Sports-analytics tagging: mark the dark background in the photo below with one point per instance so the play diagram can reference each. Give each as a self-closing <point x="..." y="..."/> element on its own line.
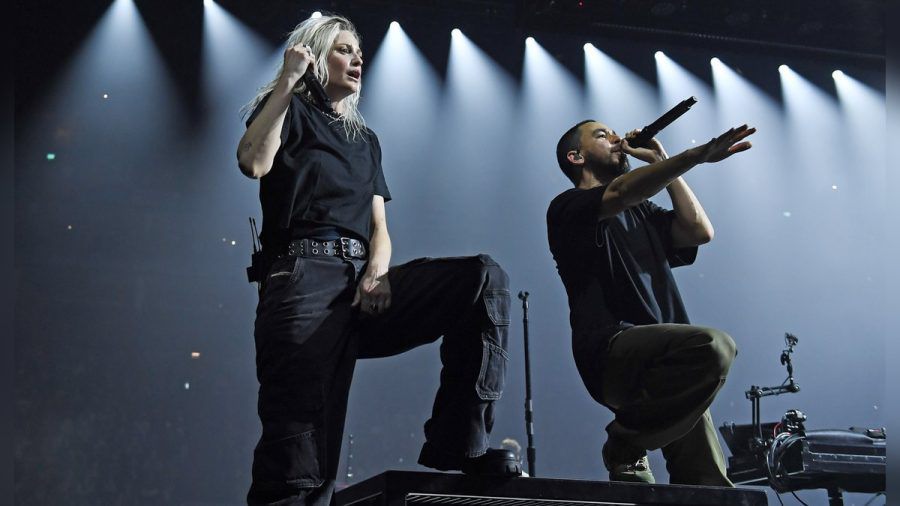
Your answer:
<point x="124" y="263"/>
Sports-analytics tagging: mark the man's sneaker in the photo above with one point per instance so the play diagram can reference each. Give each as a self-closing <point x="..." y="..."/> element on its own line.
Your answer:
<point x="636" y="471"/>
<point x="494" y="462"/>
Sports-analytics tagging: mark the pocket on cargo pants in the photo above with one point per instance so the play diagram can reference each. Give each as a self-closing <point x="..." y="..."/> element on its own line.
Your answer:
<point x="291" y="461"/>
<point x="494" y="358"/>
<point x="288" y="457"/>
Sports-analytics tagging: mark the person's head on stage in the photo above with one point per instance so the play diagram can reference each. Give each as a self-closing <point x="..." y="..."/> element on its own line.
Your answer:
<point x="591" y="152"/>
<point x="512" y="445"/>
<point x="336" y="45"/>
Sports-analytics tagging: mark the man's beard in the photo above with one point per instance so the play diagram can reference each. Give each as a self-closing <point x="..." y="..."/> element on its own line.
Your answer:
<point x="603" y="171"/>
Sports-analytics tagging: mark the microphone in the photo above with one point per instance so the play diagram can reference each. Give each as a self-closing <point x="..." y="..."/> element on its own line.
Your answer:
<point x="317" y="90"/>
<point x="642" y="139"/>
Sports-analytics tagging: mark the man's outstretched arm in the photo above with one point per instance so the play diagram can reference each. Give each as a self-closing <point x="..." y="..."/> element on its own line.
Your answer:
<point x="691" y="226"/>
<point x="632" y="188"/>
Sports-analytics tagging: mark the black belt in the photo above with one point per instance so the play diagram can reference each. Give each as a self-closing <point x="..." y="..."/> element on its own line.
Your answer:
<point x="344" y="247"/>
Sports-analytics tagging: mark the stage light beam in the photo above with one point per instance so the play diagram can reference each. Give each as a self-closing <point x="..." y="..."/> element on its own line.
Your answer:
<point x="413" y="100"/>
<point x="675" y="84"/>
<point x="552" y="101"/>
<point x="614" y="94"/>
<point x="863" y="110"/>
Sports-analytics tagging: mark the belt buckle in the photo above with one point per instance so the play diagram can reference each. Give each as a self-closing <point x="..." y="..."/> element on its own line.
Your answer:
<point x="346" y="250"/>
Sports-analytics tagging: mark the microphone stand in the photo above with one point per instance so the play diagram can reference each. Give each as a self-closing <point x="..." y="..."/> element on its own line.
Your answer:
<point x="350" y="459"/>
<point x="529" y="411"/>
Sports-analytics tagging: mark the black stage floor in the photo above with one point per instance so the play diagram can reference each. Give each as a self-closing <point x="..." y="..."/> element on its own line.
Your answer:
<point x="396" y="488"/>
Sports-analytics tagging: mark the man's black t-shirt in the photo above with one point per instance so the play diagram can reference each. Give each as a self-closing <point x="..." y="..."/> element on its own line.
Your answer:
<point x="617" y="271"/>
<point x="320" y="180"/>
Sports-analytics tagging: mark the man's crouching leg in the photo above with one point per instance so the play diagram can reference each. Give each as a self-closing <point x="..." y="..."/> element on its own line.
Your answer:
<point x="660" y="381"/>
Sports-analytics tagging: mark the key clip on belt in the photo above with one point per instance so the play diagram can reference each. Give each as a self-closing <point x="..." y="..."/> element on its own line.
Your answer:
<point x="346" y="248"/>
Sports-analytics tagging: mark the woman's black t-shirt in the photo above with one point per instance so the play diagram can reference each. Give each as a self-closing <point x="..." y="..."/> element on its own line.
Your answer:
<point x="319" y="179"/>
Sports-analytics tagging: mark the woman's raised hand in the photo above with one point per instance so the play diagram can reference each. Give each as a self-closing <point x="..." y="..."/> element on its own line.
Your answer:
<point x="297" y="60"/>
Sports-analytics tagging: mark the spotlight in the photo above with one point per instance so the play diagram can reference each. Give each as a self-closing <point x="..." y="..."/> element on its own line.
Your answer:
<point x="315" y="15"/>
<point x="837" y="74"/>
<point x="207" y="3"/>
<point x="395" y="25"/>
<point x="529" y="40"/>
<point x="783" y="68"/>
<point x="659" y="54"/>
<point x="588" y="46"/>
<point x="715" y="61"/>
<point x="456" y="32"/>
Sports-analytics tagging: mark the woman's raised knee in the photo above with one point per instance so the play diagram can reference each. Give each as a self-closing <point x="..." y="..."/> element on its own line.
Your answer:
<point x="491" y="271"/>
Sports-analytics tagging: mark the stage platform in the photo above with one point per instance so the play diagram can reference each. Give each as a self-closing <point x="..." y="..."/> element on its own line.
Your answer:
<point x="398" y="488"/>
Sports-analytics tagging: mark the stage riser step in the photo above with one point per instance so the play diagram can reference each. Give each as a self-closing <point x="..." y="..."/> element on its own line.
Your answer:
<point x="401" y="488"/>
<point x="497" y="501"/>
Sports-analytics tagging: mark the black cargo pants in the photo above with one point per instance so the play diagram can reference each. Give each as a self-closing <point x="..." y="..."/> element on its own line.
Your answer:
<point x="308" y="338"/>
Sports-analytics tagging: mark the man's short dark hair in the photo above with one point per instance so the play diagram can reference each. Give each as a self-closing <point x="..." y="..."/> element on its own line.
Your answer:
<point x="570" y="141"/>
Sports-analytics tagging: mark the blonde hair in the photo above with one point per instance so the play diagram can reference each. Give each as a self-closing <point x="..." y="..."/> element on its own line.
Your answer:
<point x="319" y="34"/>
<point x="512" y="444"/>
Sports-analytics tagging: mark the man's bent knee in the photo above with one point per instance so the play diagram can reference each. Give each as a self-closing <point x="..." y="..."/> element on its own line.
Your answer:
<point x="723" y="350"/>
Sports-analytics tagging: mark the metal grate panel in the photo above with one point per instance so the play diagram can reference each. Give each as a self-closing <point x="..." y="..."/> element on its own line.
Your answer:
<point x="499" y="501"/>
